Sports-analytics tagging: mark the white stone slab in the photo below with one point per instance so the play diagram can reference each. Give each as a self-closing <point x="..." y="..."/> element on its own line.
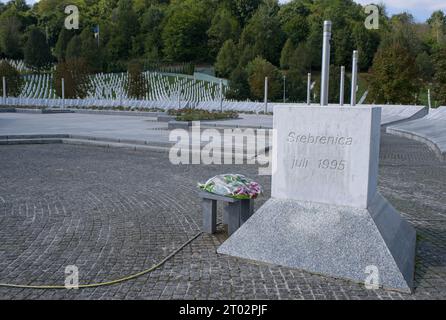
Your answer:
<point x="327" y="154"/>
<point x="326" y="215"/>
<point x="342" y="242"/>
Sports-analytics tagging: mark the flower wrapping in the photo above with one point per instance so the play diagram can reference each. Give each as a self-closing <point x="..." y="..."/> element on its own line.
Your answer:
<point x="232" y="185"/>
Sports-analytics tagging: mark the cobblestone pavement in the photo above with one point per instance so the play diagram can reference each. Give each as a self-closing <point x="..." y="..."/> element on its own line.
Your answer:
<point x="113" y="213"/>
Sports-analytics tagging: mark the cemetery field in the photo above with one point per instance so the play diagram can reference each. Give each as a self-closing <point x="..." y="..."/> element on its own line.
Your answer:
<point x="160" y="86"/>
<point x="114" y="212"/>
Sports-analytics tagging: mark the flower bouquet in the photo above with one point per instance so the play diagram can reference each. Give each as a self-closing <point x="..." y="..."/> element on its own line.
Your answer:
<point x="236" y="186"/>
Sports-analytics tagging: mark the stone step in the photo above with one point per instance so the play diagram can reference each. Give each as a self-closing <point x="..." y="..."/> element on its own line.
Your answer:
<point x="33" y="136"/>
<point x="246" y="152"/>
<point x="29" y="141"/>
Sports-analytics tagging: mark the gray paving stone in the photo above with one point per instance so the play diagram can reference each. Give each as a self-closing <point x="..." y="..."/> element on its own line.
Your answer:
<point x="112" y="212"/>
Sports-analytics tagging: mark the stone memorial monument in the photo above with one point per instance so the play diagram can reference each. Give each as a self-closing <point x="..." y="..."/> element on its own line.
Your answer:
<point x="325" y="215"/>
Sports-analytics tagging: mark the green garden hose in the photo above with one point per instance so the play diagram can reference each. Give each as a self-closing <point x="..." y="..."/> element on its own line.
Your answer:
<point x="108" y="283"/>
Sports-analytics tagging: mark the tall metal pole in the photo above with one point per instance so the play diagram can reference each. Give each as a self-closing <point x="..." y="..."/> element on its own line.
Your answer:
<point x="309" y="89"/>
<point x="63" y="93"/>
<point x="221" y="95"/>
<point x="354" y="78"/>
<point x="179" y="97"/>
<point x="284" y="89"/>
<point x="341" y="93"/>
<point x="325" y="63"/>
<point x="266" y="95"/>
<point x="4" y="90"/>
<point x="429" y="101"/>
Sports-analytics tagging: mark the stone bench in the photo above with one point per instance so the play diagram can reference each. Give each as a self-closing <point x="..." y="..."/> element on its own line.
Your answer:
<point x="236" y="213"/>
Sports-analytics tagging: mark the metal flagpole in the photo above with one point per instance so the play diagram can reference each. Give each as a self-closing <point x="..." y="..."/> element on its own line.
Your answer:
<point x="354" y="78"/>
<point x="284" y="88"/>
<point x="179" y="97"/>
<point x="309" y="89"/>
<point x="221" y="95"/>
<point x="325" y="63"/>
<point x="266" y="95"/>
<point x="429" y="101"/>
<point x="63" y="93"/>
<point x="341" y="94"/>
<point x="4" y="90"/>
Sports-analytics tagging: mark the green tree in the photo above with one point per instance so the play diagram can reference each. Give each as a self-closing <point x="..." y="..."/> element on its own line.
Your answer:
<point x="227" y="59"/>
<point x="184" y="34"/>
<point x="366" y="42"/>
<point x="288" y="11"/>
<point x="257" y="70"/>
<point x="300" y="61"/>
<point x="136" y="85"/>
<point x="297" y="29"/>
<point x="403" y="30"/>
<point x="247" y="54"/>
<point x="238" y="85"/>
<point x="244" y="9"/>
<point x="296" y="59"/>
<point x="439" y="81"/>
<point x="14" y="81"/>
<point x="343" y="46"/>
<point x="37" y="52"/>
<point x="152" y="21"/>
<point x="50" y="15"/>
<point x="76" y="75"/>
<point x="62" y="43"/>
<point x="224" y="27"/>
<point x="437" y="23"/>
<point x="287" y="54"/>
<point x="296" y="78"/>
<point x="394" y="76"/>
<point x="314" y="39"/>
<point x="124" y="32"/>
<point x="21" y="5"/>
<point x="74" y="48"/>
<point x="90" y="50"/>
<point x="296" y="86"/>
<point x="293" y="18"/>
<point x="425" y="66"/>
<point x="263" y="34"/>
<point x="10" y="37"/>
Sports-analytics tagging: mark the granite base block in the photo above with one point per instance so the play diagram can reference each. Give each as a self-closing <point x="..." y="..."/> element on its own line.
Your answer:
<point x="337" y="241"/>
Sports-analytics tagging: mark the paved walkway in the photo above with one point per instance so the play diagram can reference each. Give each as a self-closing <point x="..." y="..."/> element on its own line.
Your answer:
<point x="113" y="213"/>
<point x="136" y="127"/>
<point x="430" y="130"/>
<point x="100" y="126"/>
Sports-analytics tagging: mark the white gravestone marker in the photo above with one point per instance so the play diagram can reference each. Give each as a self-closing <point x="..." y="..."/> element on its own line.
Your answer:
<point x="325" y="214"/>
<point x="333" y="162"/>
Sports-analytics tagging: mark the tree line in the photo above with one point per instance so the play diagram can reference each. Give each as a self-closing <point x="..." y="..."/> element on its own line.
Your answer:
<point x="245" y="40"/>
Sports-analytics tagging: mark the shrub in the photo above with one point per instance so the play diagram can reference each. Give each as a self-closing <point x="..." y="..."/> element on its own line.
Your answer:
<point x="136" y="85"/>
<point x="14" y="81"/>
<point x="257" y="70"/>
<point x="394" y="77"/>
<point x="238" y="85"/>
<point x="188" y="114"/>
<point x="76" y="75"/>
